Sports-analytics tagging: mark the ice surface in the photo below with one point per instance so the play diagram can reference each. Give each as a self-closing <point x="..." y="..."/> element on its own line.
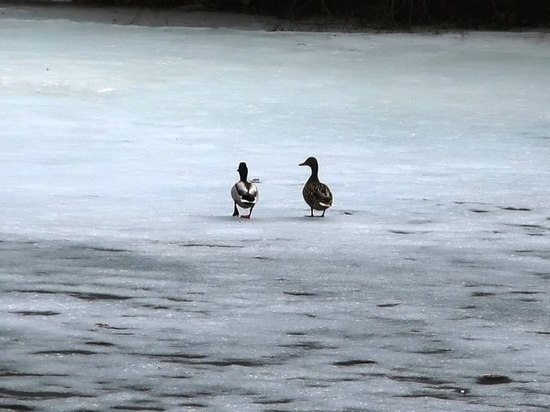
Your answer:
<point x="127" y="285"/>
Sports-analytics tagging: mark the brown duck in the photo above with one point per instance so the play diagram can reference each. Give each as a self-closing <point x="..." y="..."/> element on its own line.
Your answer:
<point x="316" y="194"/>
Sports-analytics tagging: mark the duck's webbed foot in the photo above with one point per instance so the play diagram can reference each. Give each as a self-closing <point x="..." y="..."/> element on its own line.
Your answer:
<point x="249" y="214"/>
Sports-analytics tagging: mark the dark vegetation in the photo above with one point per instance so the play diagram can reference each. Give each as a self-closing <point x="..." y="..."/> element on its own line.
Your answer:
<point x="473" y="14"/>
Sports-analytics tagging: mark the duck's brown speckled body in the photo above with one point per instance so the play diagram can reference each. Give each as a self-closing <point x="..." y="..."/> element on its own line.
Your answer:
<point x="316" y="194"/>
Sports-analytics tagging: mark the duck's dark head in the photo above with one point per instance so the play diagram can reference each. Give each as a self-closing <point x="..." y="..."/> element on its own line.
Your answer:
<point x="311" y="162"/>
<point x="243" y="171"/>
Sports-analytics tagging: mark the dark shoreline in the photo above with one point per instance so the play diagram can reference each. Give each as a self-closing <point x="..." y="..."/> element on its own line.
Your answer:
<point x="514" y="19"/>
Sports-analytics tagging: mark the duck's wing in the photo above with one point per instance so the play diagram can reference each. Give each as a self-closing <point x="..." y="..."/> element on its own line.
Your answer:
<point x="244" y="192"/>
<point x="252" y="194"/>
<point x="324" y="195"/>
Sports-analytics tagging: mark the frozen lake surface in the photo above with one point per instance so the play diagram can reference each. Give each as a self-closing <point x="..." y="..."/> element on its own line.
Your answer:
<point x="126" y="284"/>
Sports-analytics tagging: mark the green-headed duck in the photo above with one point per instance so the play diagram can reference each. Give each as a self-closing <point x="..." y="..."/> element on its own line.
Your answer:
<point x="244" y="193"/>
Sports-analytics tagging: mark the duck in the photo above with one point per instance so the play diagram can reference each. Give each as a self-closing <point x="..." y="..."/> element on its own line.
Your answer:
<point x="316" y="194"/>
<point x="244" y="193"/>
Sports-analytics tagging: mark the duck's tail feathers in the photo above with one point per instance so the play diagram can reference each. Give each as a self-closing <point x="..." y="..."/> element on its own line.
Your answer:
<point x="247" y="197"/>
